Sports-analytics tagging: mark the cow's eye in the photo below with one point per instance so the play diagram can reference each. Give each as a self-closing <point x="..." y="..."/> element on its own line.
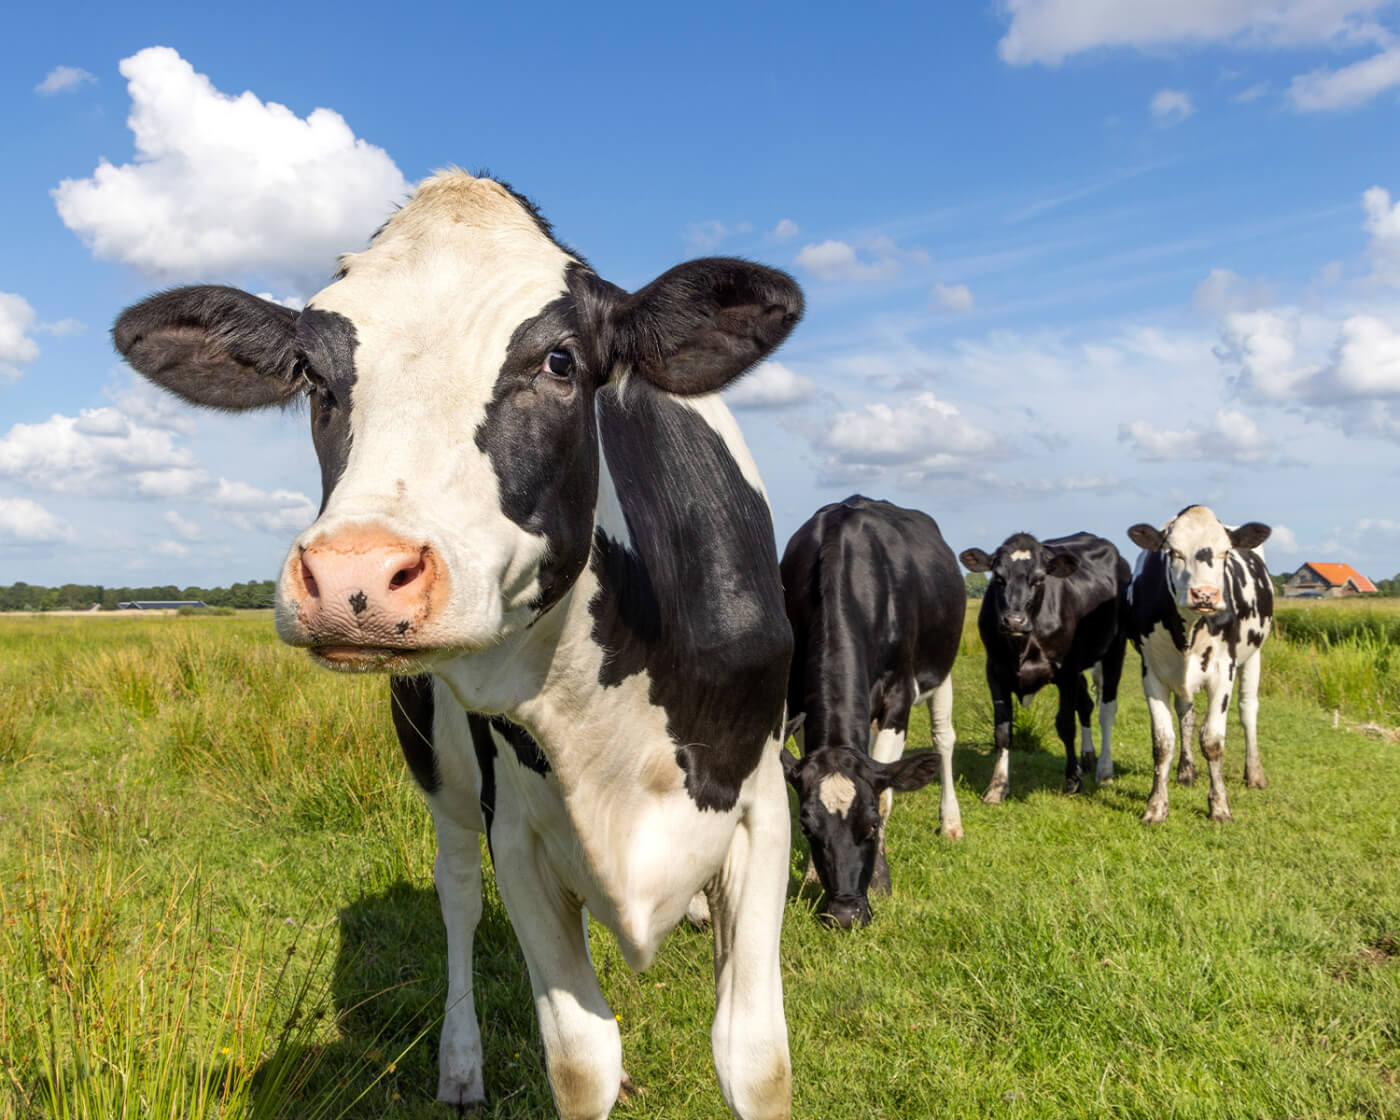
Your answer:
<point x="313" y="381"/>
<point x="560" y="363"/>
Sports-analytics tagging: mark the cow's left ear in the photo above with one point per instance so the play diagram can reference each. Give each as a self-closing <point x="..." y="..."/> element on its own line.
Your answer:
<point x="697" y="327"/>
<point x="1250" y="535"/>
<point x="791" y="764"/>
<point x="914" y="771"/>
<point x="1061" y="564"/>
<point x="1146" y="536"/>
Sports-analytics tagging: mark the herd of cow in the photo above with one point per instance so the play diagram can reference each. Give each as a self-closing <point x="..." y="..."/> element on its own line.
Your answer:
<point x="540" y="519"/>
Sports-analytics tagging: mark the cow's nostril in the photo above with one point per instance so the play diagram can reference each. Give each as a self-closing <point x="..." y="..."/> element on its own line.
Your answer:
<point x="404" y="576"/>
<point x="308" y="581"/>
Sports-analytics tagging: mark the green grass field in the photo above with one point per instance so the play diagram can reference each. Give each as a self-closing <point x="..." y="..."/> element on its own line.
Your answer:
<point x="216" y="900"/>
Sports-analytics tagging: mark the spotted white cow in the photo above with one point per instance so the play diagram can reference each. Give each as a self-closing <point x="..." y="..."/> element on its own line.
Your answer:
<point x="1201" y="605"/>
<point x="530" y="493"/>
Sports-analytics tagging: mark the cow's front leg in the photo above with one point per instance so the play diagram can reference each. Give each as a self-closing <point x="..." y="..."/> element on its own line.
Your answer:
<point x="1249" y="722"/>
<point x="582" y="1046"/>
<point x="940" y="719"/>
<point x="1069" y="689"/>
<point x="887" y="745"/>
<point x="1218" y="690"/>
<point x="1084" y="708"/>
<point x="1162" y="747"/>
<point x="749" y="1035"/>
<point x="1000" y="785"/>
<point x="1186" y="717"/>
<point x="457" y="876"/>
<point x="1108" y="673"/>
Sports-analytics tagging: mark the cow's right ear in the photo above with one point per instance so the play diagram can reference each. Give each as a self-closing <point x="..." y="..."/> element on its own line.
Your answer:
<point x="1145" y="536"/>
<point x="791" y="727"/>
<point x="216" y="347"/>
<point x="791" y="764"/>
<point x="975" y="560"/>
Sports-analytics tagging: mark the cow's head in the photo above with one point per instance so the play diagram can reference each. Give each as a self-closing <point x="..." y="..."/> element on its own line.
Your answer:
<point x="838" y="794"/>
<point x="1019" y="570"/>
<point x="450" y="372"/>
<point x="1194" y="547"/>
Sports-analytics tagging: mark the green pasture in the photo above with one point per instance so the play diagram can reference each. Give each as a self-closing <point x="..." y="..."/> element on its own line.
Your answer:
<point x="216" y="900"/>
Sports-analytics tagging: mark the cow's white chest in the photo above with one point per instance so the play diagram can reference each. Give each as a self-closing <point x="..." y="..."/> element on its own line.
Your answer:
<point x="1205" y="662"/>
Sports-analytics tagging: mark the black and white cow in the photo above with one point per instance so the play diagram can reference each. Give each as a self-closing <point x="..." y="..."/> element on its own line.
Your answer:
<point x="531" y="492"/>
<point x="876" y="604"/>
<point x="1052" y="610"/>
<point x="1202" y="604"/>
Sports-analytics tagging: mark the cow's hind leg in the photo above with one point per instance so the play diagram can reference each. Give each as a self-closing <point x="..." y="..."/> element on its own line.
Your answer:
<point x="1000" y="785"/>
<point x="1084" y="708"/>
<point x="1108" y="674"/>
<point x="940" y="719"/>
<point x="457" y="876"/>
<point x="582" y="1045"/>
<point x="1186" y="717"/>
<point x="749" y="1035"/>
<point x="1249" y="721"/>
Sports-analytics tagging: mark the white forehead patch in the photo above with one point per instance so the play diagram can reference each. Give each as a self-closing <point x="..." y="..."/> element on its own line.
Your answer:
<point x="837" y="792"/>
<point x="1021" y="554"/>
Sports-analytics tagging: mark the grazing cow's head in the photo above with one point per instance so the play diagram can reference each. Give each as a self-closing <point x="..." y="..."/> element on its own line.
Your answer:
<point x="1194" y="547"/>
<point x="838" y="794"/>
<point x="1019" y="570"/>
<point x="450" y="371"/>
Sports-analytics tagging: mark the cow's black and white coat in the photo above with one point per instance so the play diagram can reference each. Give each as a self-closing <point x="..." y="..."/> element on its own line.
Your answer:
<point x="516" y="500"/>
<point x="876" y="604"/>
<point x="1054" y="609"/>
<point x="1202" y="604"/>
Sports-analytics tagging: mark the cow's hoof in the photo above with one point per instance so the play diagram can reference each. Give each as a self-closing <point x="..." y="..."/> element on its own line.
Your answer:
<point x="467" y="1099"/>
<point x="1220" y="813"/>
<point x="1155" y="814"/>
<point x="626" y="1090"/>
<point x="880" y="877"/>
<point x="1074" y="785"/>
<point x="697" y="913"/>
<point x="952" y="831"/>
<point x="995" y="795"/>
<point x="1186" y="776"/>
<point x="1088" y="762"/>
<point x="1103" y="776"/>
<point x="1256" y="781"/>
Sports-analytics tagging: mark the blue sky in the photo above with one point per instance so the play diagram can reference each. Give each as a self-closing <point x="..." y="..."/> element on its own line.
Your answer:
<point x="1070" y="264"/>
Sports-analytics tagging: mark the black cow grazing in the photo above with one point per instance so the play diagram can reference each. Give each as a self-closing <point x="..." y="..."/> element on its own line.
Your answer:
<point x="1202" y="604"/>
<point x="1052" y="610"/>
<point x="876" y="604"/>
<point x="531" y="492"/>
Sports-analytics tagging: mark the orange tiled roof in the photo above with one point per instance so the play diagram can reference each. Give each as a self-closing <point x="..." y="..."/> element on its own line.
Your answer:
<point x="1337" y="574"/>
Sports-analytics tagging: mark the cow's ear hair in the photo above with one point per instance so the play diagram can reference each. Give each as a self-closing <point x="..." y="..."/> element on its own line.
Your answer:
<point x="1146" y="536"/>
<point x="791" y="727"/>
<point x="1061" y="564"/>
<point x="1250" y="535"/>
<point x="697" y="327"/>
<point x="914" y="771"/>
<point x="975" y="560"/>
<point x="791" y="764"/>
<point x="216" y="347"/>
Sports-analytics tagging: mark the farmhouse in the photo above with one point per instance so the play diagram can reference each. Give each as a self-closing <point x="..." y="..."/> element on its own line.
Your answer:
<point x="1314" y="580"/>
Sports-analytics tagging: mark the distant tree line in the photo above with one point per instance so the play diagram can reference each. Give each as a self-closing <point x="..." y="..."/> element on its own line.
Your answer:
<point x="79" y="596"/>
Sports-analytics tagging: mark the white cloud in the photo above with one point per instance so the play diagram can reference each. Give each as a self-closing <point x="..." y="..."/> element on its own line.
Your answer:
<point x="1283" y="539"/>
<point x="1353" y="85"/>
<point x="955" y="297"/>
<point x="171" y="548"/>
<point x="874" y="260"/>
<point x="1171" y="106"/>
<point x="295" y="303"/>
<point x="16" y="347"/>
<point x="275" y="511"/>
<point x="63" y="78"/>
<point x="228" y="184"/>
<point x="1049" y="31"/>
<point x="1230" y="437"/>
<point x="184" y="529"/>
<point x="99" y="451"/>
<point x="785" y="230"/>
<point x="1264" y="345"/>
<point x="770" y="385"/>
<point x="1383" y="224"/>
<point x="1252" y="93"/>
<point x="1223" y="291"/>
<point x="710" y="235"/>
<point x="64" y="328"/>
<point x="925" y="437"/>
<point x="1366" y="360"/>
<point x="30" y="523"/>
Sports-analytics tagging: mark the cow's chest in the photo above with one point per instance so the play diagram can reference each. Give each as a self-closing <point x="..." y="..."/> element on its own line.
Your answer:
<point x="1205" y="663"/>
<point x="1034" y="670"/>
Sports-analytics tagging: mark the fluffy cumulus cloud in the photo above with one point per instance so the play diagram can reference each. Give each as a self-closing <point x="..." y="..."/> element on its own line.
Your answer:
<point x="706" y="236"/>
<point x="100" y="451"/>
<point x="1348" y="86"/>
<point x="770" y="385"/>
<point x="872" y="261"/>
<point x="924" y="437"/>
<point x="271" y="511"/>
<point x="228" y="184"/>
<point x="26" y="522"/>
<point x="16" y="345"/>
<point x="1383" y="224"/>
<point x="954" y="297"/>
<point x="1224" y="291"/>
<point x="1231" y="437"/>
<point x="63" y="79"/>
<point x="1171" y="106"/>
<point x="785" y="230"/>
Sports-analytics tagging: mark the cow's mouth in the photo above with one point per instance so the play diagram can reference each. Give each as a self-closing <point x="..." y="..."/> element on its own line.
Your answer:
<point x="368" y="659"/>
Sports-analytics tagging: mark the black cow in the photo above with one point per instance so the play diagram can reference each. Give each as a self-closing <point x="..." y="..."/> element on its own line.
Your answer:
<point x="1052" y="610"/>
<point x="876" y="604"/>
<point x="1202" y="604"/>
